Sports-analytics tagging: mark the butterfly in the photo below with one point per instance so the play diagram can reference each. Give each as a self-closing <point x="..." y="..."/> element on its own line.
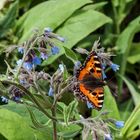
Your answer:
<point x="90" y="81"/>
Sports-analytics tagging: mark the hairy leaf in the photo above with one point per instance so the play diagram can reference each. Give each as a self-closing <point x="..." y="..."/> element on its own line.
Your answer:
<point x="78" y="27"/>
<point x="14" y="126"/>
<point x="47" y="14"/>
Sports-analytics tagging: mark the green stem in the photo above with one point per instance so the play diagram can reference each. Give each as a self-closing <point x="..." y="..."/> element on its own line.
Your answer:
<point x="31" y="96"/>
<point x="116" y="20"/>
<point x="60" y="94"/>
<point x="54" y="123"/>
<point x="29" y="46"/>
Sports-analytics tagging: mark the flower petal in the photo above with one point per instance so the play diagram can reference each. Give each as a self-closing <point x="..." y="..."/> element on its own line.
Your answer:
<point x="21" y="50"/>
<point x="4" y="100"/>
<point x="114" y="67"/>
<point x="107" y="137"/>
<point x="54" y="50"/>
<point x="61" y="67"/>
<point x="119" y="124"/>
<point x="27" y="65"/>
<point x="104" y="75"/>
<point x="60" y="38"/>
<point x="36" y="60"/>
<point x="51" y="91"/>
<point x="77" y="65"/>
<point x="19" y="62"/>
<point x="47" y="29"/>
<point x="89" y="105"/>
<point x="44" y="56"/>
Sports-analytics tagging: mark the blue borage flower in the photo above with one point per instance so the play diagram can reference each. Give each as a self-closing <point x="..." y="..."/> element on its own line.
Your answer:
<point x="119" y="124"/>
<point x="21" y="50"/>
<point x="61" y="67"/>
<point x="16" y="99"/>
<point x="16" y="94"/>
<point x="51" y="91"/>
<point x="47" y="29"/>
<point x="48" y="33"/>
<point x="54" y="50"/>
<point x="32" y="59"/>
<point x="89" y="105"/>
<point x="36" y="60"/>
<point x="23" y="81"/>
<point x="60" y="39"/>
<point x="77" y="64"/>
<point x="114" y="67"/>
<point x="28" y="65"/>
<point x="43" y="56"/>
<point x="19" y="62"/>
<point x="107" y="137"/>
<point x="4" y="100"/>
<point x="104" y="75"/>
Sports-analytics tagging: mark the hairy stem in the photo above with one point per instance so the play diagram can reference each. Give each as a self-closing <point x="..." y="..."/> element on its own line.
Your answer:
<point x="54" y="123"/>
<point x="31" y="96"/>
<point x="29" y="46"/>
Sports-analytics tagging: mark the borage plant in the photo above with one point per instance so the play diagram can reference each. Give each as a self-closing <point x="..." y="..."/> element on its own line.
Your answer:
<point x="28" y="84"/>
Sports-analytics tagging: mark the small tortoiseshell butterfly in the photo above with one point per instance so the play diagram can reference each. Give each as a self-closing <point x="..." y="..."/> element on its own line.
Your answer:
<point x="90" y="81"/>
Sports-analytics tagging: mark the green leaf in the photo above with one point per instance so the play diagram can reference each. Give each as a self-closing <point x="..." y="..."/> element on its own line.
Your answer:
<point x="124" y="45"/>
<point x="36" y="123"/>
<point x="8" y="20"/>
<point x="2" y="137"/>
<point x="43" y="134"/>
<point x="133" y="135"/>
<point x="134" y="59"/>
<point x="80" y="25"/>
<point x="127" y="107"/>
<point x="47" y="14"/>
<point x="96" y="6"/>
<point x="71" y="110"/>
<point x="134" y="90"/>
<point x="134" y="56"/>
<point x="109" y="105"/>
<point x="70" y="54"/>
<point x="68" y="111"/>
<point x="127" y="36"/>
<point x="14" y="127"/>
<point x="69" y="131"/>
<point x="132" y="122"/>
<point x="22" y="111"/>
<point x="45" y="102"/>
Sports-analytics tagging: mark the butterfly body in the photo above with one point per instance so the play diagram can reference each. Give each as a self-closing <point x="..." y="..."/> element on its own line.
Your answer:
<point x="90" y="81"/>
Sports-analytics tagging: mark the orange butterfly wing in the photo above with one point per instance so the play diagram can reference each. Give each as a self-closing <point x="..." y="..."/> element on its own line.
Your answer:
<point x="92" y="68"/>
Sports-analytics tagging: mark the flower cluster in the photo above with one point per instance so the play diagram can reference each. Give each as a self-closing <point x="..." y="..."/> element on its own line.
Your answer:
<point x="118" y="124"/>
<point x="16" y="94"/>
<point x="104" y="58"/>
<point x="33" y="53"/>
<point x="3" y="100"/>
<point x="41" y="48"/>
<point x="96" y="128"/>
<point x="99" y="125"/>
<point x="56" y="81"/>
